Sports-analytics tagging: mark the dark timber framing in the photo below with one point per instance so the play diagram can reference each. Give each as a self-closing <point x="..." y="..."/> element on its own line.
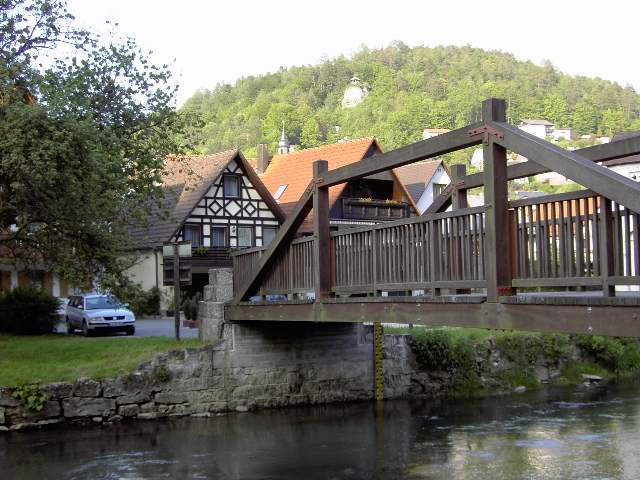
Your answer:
<point x="582" y="240"/>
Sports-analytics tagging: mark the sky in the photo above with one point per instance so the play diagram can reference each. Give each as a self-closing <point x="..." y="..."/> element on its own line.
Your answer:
<point x="210" y="42"/>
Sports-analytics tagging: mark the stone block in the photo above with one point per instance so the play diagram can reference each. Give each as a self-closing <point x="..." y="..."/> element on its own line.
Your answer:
<point x="129" y="410"/>
<point x="221" y="279"/>
<point x="6" y="398"/>
<point x="21" y="413"/>
<point x="2" y="417"/>
<point x="211" y="321"/>
<point x="171" y="397"/>
<point x="147" y="407"/>
<point x="59" y="390"/>
<point x="138" y="397"/>
<point x="88" y="407"/>
<point x="87" y="387"/>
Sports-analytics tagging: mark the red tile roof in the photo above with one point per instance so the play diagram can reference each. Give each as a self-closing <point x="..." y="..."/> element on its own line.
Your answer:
<point x="415" y="176"/>
<point x="295" y="169"/>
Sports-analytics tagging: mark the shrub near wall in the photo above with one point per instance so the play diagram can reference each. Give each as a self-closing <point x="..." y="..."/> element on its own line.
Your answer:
<point x="28" y="311"/>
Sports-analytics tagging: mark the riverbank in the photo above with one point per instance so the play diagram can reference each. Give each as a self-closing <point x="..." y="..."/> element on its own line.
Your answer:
<point x="287" y="364"/>
<point x="55" y="358"/>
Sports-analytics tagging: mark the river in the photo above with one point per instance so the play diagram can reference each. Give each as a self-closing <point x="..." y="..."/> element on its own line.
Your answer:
<point x="560" y="433"/>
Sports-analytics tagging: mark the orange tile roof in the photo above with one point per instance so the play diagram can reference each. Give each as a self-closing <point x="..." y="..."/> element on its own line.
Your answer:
<point x="295" y="169"/>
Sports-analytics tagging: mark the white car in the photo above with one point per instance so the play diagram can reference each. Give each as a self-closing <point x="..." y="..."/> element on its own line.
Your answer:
<point x="98" y="312"/>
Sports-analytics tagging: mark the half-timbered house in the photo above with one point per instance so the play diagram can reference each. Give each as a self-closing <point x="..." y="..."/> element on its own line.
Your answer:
<point x="218" y="203"/>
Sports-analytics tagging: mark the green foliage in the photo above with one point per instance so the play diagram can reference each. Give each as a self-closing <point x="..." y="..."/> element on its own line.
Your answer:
<point x="619" y="355"/>
<point x="524" y="348"/>
<point x="439" y="349"/>
<point x="572" y="374"/>
<point x="190" y="307"/>
<point x="82" y="139"/>
<point x="140" y="302"/>
<point x="31" y="396"/>
<point x="28" y="311"/>
<point x="409" y="89"/>
<point x="161" y="374"/>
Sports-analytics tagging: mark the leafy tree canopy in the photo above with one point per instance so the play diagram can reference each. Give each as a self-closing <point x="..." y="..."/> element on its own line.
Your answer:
<point x="84" y="125"/>
<point x="410" y="89"/>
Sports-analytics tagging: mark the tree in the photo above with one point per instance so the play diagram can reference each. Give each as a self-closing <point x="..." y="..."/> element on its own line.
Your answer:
<point x="82" y="141"/>
<point x="311" y="135"/>
<point x="613" y="121"/>
<point x="585" y="117"/>
<point x="557" y="110"/>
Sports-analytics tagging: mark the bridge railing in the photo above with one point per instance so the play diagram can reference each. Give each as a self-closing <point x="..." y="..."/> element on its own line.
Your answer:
<point x="564" y="241"/>
<point x="292" y="272"/>
<point x="444" y="250"/>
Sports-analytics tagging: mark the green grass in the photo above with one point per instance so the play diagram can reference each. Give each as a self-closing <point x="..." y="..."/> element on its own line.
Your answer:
<point x="53" y="358"/>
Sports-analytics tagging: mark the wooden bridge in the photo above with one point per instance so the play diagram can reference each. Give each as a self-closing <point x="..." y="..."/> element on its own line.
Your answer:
<point x="559" y="263"/>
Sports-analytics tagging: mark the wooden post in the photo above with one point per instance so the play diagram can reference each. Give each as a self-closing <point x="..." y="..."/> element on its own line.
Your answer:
<point x="321" y="254"/>
<point x="458" y="196"/>
<point x="498" y="268"/>
<point x="458" y="201"/>
<point x="176" y="289"/>
<point x="607" y="258"/>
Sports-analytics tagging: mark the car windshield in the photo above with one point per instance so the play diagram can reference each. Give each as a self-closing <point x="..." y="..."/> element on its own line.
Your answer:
<point x="98" y="303"/>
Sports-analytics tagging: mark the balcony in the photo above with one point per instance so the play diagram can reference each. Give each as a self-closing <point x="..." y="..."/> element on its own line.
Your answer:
<point x="207" y="257"/>
<point x="371" y="209"/>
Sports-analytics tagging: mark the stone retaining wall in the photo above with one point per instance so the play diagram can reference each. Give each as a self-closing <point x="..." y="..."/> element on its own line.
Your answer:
<point x="255" y="366"/>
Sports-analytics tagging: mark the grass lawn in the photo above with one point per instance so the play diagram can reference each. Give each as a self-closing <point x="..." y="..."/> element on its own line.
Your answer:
<point x="53" y="358"/>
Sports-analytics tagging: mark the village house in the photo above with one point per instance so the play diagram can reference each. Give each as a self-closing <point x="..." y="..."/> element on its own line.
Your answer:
<point x="376" y="198"/>
<point x="424" y="181"/>
<point x="218" y="203"/>
<point x="627" y="166"/>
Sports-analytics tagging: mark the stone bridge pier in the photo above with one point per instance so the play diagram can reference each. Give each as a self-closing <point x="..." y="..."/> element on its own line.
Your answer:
<point x="291" y="363"/>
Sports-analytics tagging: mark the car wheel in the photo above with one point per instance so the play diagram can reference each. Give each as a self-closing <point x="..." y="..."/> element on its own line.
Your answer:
<point x="70" y="329"/>
<point x="85" y="329"/>
<point x="130" y="330"/>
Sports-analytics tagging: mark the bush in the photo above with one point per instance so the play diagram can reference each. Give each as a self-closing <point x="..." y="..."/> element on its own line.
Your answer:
<point x="140" y="302"/>
<point x="620" y="355"/>
<point x="190" y="307"/>
<point x="28" y="311"/>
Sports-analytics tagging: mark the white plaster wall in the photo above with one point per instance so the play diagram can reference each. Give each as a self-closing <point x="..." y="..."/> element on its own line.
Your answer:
<point x="441" y="176"/>
<point x="539" y="131"/>
<point x="631" y="170"/>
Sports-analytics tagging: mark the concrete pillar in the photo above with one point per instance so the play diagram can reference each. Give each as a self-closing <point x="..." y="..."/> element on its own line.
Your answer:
<point x="211" y="309"/>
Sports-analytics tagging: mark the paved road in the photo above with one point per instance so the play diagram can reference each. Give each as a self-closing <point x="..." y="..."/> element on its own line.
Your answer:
<point x="154" y="328"/>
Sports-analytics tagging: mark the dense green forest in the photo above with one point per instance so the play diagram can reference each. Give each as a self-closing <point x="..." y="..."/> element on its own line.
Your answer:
<point x="410" y="89"/>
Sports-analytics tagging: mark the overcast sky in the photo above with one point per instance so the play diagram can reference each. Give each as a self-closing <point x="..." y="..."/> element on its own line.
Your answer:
<point x="220" y="41"/>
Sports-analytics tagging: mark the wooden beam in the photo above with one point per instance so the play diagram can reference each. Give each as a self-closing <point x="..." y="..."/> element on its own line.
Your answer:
<point x="432" y="147"/>
<point x="279" y="243"/>
<point x="585" y="172"/>
<point x="618" y="321"/>
<point x="497" y="262"/>
<point x="596" y="153"/>
<point x="322" y="245"/>
<point x="442" y="201"/>
<point x="458" y="196"/>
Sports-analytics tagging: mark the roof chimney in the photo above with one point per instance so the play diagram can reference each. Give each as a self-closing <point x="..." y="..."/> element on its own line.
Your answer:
<point x="263" y="157"/>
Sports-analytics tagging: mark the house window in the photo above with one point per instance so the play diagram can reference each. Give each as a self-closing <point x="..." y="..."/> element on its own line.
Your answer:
<point x="231" y="186"/>
<point x="219" y="237"/>
<point x="193" y="234"/>
<point x="268" y="234"/>
<point x="245" y="236"/>
<point x="438" y="188"/>
<point x="280" y="191"/>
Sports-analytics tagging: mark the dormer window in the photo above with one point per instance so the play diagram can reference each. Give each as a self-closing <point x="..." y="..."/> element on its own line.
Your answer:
<point x="280" y="191"/>
<point x="231" y="186"/>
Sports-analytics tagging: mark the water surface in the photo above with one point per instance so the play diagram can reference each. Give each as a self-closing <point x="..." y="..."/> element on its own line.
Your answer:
<point x="555" y="434"/>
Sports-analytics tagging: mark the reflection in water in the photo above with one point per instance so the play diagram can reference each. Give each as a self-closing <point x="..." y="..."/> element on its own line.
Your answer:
<point x="553" y="434"/>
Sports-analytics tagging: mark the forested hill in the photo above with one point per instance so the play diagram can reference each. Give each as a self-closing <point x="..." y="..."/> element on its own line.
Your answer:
<point x="410" y="89"/>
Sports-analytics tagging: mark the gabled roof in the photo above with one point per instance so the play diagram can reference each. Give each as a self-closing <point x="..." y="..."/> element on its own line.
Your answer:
<point x="295" y="170"/>
<point x="416" y="176"/>
<point x="624" y="160"/>
<point x="186" y="180"/>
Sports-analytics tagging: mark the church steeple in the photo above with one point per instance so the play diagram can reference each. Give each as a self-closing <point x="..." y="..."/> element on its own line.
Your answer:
<point x="283" y="144"/>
